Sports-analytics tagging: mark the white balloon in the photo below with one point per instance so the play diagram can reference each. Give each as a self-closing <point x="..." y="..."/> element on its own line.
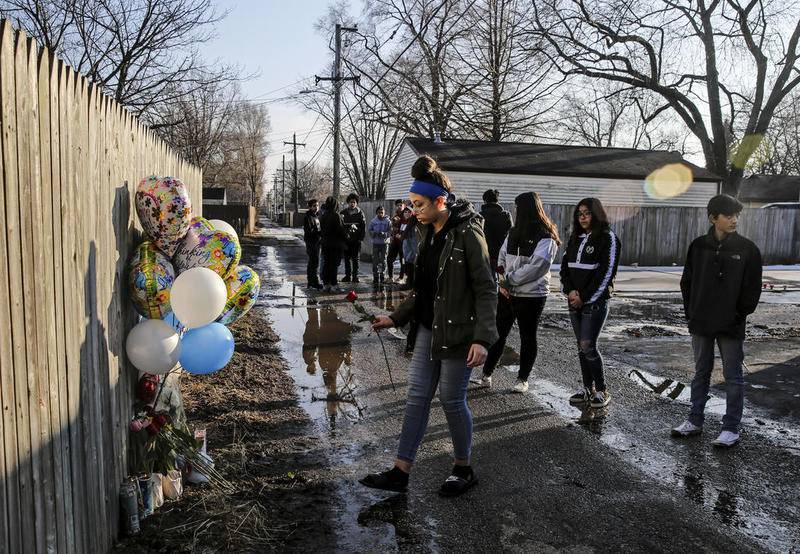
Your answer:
<point x="220" y="225"/>
<point x="153" y="346"/>
<point x="198" y="296"/>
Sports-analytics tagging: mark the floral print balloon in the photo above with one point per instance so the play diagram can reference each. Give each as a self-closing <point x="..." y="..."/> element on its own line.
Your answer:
<point x="164" y="210"/>
<point x="150" y="277"/>
<point x="204" y="247"/>
<point x="243" y="286"/>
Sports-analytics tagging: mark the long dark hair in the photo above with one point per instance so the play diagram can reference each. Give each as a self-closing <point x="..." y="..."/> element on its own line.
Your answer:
<point x="531" y="218"/>
<point x="599" y="217"/>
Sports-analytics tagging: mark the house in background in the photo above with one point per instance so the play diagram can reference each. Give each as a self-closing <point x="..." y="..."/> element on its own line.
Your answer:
<point x="561" y="174"/>
<point x="215" y="196"/>
<point x="758" y="190"/>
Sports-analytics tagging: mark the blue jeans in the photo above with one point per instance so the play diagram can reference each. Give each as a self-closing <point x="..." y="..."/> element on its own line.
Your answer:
<point x="732" y="352"/>
<point x="452" y="378"/>
<point x="587" y="323"/>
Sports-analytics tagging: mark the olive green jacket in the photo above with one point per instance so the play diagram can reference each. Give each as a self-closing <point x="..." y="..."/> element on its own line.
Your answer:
<point x="466" y="298"/>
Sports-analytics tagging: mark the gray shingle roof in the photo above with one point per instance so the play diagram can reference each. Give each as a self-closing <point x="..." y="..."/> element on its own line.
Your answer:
<point x="551" y="159"/>
<point x="770" y="188"/>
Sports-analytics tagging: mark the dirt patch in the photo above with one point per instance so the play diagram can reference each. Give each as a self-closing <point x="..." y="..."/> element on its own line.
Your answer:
<point x="650" y="331"/>
<point x="264" y="444"/>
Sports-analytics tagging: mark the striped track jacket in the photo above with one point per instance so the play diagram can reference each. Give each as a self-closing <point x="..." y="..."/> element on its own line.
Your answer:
<point x="590" y="264"/>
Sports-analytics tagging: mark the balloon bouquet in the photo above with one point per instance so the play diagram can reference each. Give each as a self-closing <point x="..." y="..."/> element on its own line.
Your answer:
<point x="186" y="284"/>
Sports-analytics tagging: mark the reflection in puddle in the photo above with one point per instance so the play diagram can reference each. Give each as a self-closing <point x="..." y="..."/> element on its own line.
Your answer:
<point x="392" y="511"/>
<point x="326" y="343"/>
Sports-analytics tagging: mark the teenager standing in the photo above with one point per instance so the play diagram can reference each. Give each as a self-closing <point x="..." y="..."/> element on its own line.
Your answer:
<point x="410" y="246"/>
<point x="721" y="286"/>
<point x="587" y="274"/>
<point x="355" y="225"/>
<point x="333" y="243"/>
<point x="380" y="229"/>
<point x="496" y="223"/>
<point x="396" y="244"/>
<point x="454" y="301"/>
<point x="523" y="264"/>
<point x="312" y="232"/>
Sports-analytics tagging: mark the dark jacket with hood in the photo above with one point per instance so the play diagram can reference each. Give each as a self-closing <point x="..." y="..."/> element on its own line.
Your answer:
<point x="311" y="228"/>
<point x="496" y="225"/>
<point x="355" y="224"/>
<point x="721" y="284"/>
<point x="590" y="264"/>
<point x="465" y="293"/>
<point x="333" y="235"/>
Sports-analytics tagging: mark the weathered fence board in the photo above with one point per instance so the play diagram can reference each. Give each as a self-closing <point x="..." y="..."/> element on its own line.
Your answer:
<point x="70" y="160"/>
<point x="661" y="235"/>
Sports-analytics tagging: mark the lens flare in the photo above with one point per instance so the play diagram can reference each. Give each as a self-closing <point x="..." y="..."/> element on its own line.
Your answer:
<point x="668" y="181"/>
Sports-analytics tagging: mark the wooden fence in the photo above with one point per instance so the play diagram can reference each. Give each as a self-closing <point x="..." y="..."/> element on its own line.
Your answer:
<point x="241" y="217"/>
<point x="661" y="235"/>
<point x="71" y="159"/>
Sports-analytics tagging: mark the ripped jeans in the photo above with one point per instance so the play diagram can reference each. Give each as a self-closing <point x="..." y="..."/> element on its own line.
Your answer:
<point x="587" y="323"/>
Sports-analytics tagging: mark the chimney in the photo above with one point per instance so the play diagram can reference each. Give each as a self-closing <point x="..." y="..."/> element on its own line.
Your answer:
<point x="437" y="138"/>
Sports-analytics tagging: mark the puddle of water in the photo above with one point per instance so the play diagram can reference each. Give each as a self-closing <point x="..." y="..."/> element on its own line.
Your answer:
<point x="781" y="434"/>
<point x="314" y="341"/>
<point x="667" y="470"/>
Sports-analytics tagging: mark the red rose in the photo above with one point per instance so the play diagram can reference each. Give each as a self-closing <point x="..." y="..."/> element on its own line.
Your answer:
<point x="161" y="419"/>
<point x="147" y="388"/>
<point x="154" y="428"/>
<point x="352" y="296"/>
<point x="501" y="270"/>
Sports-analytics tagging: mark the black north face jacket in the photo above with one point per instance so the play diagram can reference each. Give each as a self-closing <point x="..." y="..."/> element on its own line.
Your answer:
<point x="721" y="284"/>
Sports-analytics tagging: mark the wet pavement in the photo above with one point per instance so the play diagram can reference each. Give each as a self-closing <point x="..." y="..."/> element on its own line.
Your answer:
<point x="552" y="476"/>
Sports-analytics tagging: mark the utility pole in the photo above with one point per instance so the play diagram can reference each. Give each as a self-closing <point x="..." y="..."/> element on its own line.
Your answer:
<point x="295" y="144"/>
<point x="283" y="184"/>
<point x="337" y="101"/>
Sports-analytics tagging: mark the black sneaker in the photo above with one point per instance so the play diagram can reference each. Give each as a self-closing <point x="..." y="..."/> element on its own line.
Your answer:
<point x="346" y="279"/>
<point x="394" y="480"/>
<point x="355" y="279"/>
<point x="580" y="397"/>
<point x="461" y="479"/>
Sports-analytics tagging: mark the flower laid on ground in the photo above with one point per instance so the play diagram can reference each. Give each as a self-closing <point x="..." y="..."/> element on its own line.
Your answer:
<point x="369" y="318"/>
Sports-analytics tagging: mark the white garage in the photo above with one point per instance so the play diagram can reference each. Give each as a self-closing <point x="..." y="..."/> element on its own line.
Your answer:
<point x="561" y="174"/>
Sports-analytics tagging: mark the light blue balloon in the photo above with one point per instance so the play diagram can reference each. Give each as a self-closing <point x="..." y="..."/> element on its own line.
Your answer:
<point x="206" y="349"/>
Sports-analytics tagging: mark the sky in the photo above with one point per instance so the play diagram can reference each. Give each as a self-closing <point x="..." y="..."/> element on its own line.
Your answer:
<point x="276" y="39"/>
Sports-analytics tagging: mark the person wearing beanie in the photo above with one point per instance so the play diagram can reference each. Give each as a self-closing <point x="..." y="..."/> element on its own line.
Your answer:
<point x="523" y="266"/>
<point x="453" y="302"/>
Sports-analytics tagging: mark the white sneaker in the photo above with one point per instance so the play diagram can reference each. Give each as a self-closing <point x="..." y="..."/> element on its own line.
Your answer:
<point x="726" y="439"/>
<point x="521" y="386"/>
<point x="686" y="429"/>
<point x="482" y="381"/>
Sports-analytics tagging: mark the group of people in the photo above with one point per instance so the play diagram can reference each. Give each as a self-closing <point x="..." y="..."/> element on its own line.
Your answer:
<point x="331" y="234"/>
<point x="476" y="274"/>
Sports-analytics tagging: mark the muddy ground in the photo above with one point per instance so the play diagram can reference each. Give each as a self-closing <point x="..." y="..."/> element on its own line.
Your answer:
<point x="307" y="407"/>
<point x="264" y="445"/>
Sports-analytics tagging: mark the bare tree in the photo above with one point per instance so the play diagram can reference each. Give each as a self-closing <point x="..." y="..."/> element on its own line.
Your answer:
<point x="199" y="124"/>
<point x="133" y="49"/>
<point x="245" y="150"/>
<point x="779" y="152"/>
<point x="606" y="115"/>
<point x="408" y="59"/>
<point x="728" y="96"/>
<point x="516" y="90"/>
